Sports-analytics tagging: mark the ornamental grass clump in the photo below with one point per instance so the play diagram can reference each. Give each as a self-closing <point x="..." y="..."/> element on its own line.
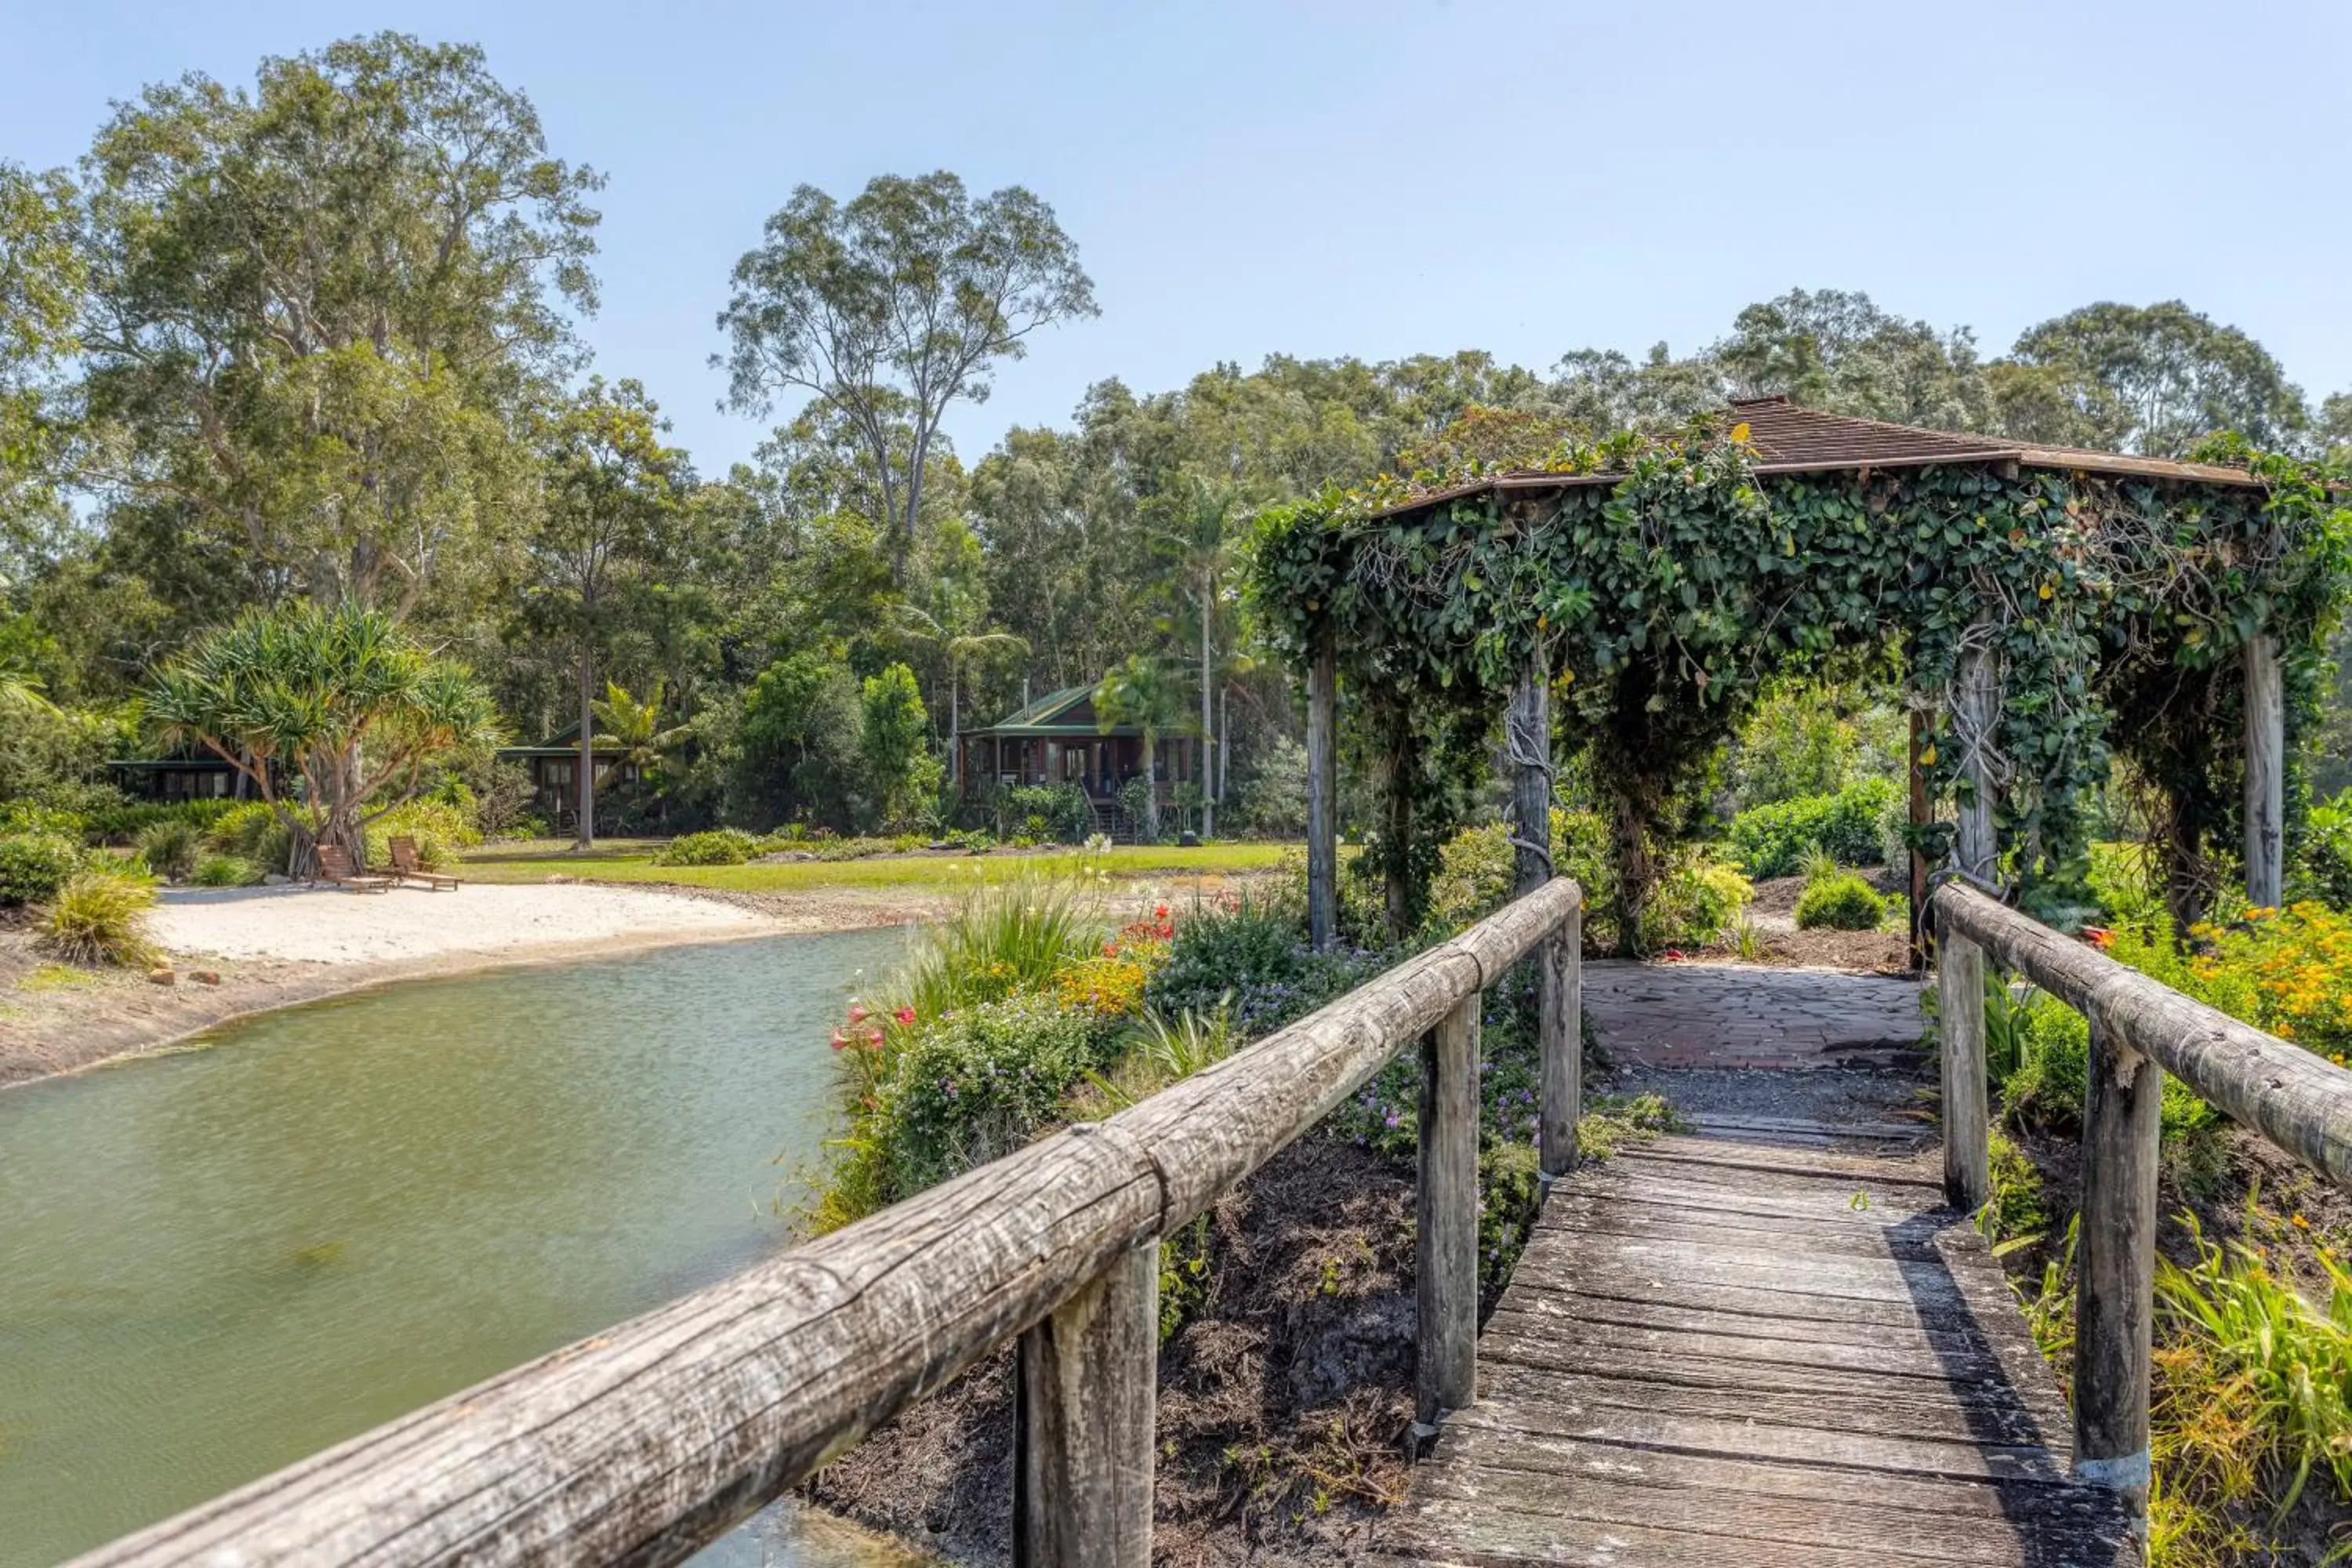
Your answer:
<point x="99" y="917"/>
<point x="2253" y="1392"/>
<point x="170" y="847"/>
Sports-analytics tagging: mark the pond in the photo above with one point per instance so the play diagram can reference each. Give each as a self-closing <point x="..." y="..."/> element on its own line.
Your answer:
<point x="215" y="1262"/>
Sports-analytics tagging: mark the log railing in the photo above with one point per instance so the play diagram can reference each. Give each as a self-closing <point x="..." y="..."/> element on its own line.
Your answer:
<point x="2140" y="1030"/>
<point x="641" y="1443"/>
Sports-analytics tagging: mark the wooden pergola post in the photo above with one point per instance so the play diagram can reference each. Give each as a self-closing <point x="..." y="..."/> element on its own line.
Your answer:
<point x="2266" y="775"/>
<point x="1921" y="814"/>
<point x="1323" y="793"/>
<point x="1975" y="710"/>
<point x="1527" y="744"/>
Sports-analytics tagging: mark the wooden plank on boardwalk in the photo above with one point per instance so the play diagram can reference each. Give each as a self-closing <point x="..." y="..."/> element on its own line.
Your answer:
<point x="1747" y="1355"/>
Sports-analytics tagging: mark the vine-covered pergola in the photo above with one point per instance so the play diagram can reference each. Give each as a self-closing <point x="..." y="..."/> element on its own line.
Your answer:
<point x="2045" y="609"/>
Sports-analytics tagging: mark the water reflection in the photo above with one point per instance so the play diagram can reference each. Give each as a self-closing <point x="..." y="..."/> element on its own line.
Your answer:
<point x="211" y="1264"/>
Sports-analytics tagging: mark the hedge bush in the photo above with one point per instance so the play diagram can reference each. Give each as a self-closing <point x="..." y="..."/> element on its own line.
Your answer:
<point x="1843" y="903"/>
<point x="34" y="865"/>
<point x="1771" y="840"/>
<point x="123" y="822"/>
<point x="718" y="846"/>
<point x="440" y="827"/>
<point x="216" y="870"/>
<point x="251" y="831"/>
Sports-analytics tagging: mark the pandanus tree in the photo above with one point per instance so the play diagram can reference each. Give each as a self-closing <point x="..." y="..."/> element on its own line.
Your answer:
<point x="334" y="715"/>
<point x="1149" y="694"/>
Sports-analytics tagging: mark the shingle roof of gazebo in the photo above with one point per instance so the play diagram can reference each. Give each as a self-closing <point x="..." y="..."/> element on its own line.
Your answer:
<point x="1790" y="439"/>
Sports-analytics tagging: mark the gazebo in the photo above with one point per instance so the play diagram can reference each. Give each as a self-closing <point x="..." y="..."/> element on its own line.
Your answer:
<point x="2051" y="604"/>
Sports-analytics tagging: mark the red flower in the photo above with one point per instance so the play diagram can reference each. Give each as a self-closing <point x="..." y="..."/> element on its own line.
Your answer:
<point x="2098" y="936"/>
<point x="905" y="1015"/>
<point x="839" y="1039"/>
<point x="857" y="1014"/>
<point x="874" y="1040"/>
<point x="1160" y="913"/>
<point x="1110" y="950"/>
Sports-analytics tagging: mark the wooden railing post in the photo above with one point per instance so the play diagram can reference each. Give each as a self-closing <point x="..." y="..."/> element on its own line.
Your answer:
<point x="1445" y="1244"/>
<point x="1561" y="1032"/>
<point x="1960" y="1007"/>
<point x="1083" y="1429"/>
<point x="1323" y="793"/>
<point x="2117" y="1246"/>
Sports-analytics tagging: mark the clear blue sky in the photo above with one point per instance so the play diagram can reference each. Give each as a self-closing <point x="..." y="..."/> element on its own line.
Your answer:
<point x="1387" y="179"/>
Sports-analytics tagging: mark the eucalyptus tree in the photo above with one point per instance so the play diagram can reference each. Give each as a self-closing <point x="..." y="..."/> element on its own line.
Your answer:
<point x="610" y="493"/>
<point x="2150" y="379"/>
<point x="1193" y="529"/>
<point x="42" y="275"/>
<point x="318" y="307"/>
<point x="339" y="697"/>
<point x="890" y="307"/>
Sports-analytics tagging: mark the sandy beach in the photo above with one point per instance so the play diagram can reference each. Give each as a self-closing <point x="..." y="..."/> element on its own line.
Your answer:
<point x="235" y="951"/>
<point x="323" y="925"/>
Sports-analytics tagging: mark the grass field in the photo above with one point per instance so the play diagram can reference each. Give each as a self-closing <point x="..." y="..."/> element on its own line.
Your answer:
<point x="631" y="860"/>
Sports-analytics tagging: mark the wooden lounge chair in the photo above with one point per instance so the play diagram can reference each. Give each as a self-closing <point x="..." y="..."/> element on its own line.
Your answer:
<point x="335" y="866"/>
<point x="408" y="866"/>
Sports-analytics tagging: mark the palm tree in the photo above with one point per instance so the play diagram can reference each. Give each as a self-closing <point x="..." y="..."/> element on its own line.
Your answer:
<point x="631" y="727"/>
<point x="342" y="695"/>
<point x="956" y="645"/>
<point x="1148" y="693"/>
<point x="1196" y="533"/>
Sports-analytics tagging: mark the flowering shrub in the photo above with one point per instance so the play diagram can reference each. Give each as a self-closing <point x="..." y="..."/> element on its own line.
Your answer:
<point x="979" y="1082"/>
<point x="2289" y="971"/>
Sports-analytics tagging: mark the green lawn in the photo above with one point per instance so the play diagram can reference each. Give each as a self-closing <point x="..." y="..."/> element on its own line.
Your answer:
<point x="631" y="860"/>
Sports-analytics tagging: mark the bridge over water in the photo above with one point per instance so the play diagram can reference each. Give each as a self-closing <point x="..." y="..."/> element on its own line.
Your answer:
<point x="1778" y="1342"/>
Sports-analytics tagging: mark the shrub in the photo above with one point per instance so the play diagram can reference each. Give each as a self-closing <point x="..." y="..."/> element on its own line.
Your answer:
<point x="1772" y="840"/>
<point x="1843" y="902"/>
<point x="34" y="865"/>
<point x="252" y="832"/>
<point x="978" y="1082"/>
<point x="1058" y="813"/>
<point x="98" y="917"/>
<point x="123" y="822"/>
<point x="2324" y="863"/>
<point x="718" y="846"/>
<point x="440" y="827"/>
<point x="224" y="871"/>
<point x="1694" y="902"/>
<point x="2289" y="971"/>
<point x="34" y="817"/>
<point x="170" y="847"/>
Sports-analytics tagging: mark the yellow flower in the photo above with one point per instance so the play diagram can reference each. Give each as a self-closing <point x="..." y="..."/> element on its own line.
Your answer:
<point x="1739" y="431"/>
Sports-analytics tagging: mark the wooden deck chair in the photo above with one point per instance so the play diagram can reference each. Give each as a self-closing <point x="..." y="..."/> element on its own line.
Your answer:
<point x="335" y="866"/>
<point x="408" y="865"/>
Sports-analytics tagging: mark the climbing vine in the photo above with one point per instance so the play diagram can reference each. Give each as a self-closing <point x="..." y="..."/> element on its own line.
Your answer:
<point x="1665" y="584"/>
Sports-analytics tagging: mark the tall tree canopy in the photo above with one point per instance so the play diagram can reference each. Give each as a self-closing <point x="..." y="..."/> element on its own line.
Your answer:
<point x="892" y="307"/>
<point x="319" y="306"/>
<point x="40" y="297"/>
<point x="2151" y="379"/>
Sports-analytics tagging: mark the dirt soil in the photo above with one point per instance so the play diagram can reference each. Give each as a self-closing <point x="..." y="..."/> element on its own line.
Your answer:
<point x="1284" y="1398"/>
<point x="1885" y="950"/>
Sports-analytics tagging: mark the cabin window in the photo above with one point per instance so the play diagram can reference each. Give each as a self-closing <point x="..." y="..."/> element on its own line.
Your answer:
<point x="558" y="774"/>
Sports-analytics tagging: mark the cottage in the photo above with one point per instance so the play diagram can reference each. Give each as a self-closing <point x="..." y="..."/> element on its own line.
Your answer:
<point x="1058" y="740"/>
<point x="192" y="777"/>
<point x="554" y="769"/>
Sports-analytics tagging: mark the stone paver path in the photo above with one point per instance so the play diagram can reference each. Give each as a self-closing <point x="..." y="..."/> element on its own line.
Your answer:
<point x="1676" y="1016"/>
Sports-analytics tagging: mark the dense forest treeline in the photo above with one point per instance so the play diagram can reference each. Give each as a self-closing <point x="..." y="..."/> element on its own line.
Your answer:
<point x="315" y="340"/>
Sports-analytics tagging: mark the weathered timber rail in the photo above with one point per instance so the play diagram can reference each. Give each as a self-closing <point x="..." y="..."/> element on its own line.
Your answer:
<point x="2140" y="1030"/>
<point x="641" y="1443"/>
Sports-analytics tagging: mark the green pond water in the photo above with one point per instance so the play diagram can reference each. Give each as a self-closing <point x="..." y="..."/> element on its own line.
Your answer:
<point x="214" y="1263"/>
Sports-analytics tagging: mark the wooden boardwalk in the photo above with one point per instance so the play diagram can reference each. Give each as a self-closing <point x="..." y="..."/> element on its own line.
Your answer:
<point x="1720" y="1354"/>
